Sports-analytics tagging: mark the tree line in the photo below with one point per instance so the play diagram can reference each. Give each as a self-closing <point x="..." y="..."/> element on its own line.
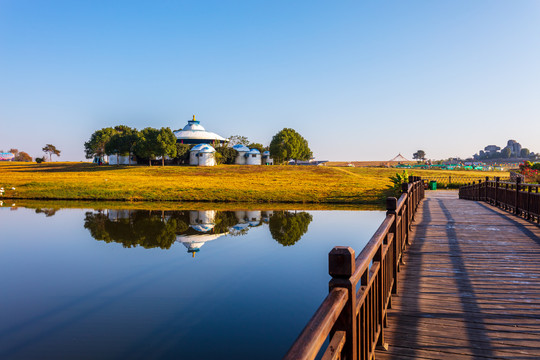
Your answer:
<point x="151" y="143"/>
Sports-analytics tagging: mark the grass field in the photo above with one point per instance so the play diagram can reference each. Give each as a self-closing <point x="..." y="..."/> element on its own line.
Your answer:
<point x="225" y="183"/>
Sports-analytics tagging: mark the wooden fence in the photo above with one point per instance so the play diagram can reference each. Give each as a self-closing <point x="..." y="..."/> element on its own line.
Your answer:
<point x="516" y="197"/>
<point x="453" y="180"/>
<point x="353" y="315"/>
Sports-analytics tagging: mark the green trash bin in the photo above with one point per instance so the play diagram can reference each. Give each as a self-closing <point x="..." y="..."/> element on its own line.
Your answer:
<point x="432" y="185"/>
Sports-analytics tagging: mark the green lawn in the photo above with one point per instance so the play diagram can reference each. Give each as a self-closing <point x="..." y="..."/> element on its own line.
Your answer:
<point x="224" y="183"/>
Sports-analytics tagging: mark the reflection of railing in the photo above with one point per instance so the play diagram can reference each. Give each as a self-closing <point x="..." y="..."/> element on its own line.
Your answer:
<point x="521" y="199"/>
<point x="355" y="319"/>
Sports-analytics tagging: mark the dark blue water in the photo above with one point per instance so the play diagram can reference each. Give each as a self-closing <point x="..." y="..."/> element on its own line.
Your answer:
<point x="109" y="284"/>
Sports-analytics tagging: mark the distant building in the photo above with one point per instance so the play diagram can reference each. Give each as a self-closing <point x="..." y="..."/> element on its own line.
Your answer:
<point x="194" y="133"/>
<point x="6" y="156"/>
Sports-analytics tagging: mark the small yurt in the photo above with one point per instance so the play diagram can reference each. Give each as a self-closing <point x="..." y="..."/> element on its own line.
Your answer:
<point x="207" y="156"/>
<point x="202" y="217"/>
<point x="193" y="154"/>
<point x="253" y="157"/>
<point x="254" y="218"/>
<point x="118" y="160"/>
<point x="266" y="159"/>
<point x="242" y="151"/>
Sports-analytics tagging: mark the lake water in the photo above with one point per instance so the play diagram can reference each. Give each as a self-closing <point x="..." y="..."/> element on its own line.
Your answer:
<point x="140" y="284"/>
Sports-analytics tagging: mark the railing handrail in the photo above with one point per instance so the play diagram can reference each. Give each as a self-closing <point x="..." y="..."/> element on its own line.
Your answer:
<point x="516" y="197"/>
<point x="375" y="269"/>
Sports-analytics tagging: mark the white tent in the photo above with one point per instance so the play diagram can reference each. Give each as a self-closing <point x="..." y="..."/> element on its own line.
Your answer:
<point x="399" y="158"/>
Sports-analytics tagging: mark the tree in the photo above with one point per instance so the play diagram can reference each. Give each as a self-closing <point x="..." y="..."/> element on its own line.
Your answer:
<point x="182" y="152"/>
<point x="99" y="139"/>
<point x="257" y="146"/>
<point x="506" y="153"/>
<point x="225" y="154"/>
<point x="525" y="153"/>
<point x="154" y="142"/>
<point x="237" y="139"/>
<point x="123" y="142"/>
<point x="287" y="227"/>
<point x="22" y="156"/>
<point x="419" y="155"/>
<point x="51" y="149"/>
<point x="288" y="144"/>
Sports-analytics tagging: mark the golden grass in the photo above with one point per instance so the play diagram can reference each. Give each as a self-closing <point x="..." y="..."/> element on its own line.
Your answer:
<point x="224" y="183"/>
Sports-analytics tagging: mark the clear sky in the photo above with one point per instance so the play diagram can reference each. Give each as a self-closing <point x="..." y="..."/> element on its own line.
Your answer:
<point x="360" y="80"/>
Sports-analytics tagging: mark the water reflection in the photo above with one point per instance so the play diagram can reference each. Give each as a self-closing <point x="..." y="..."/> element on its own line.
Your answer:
<point x="193" y="229"/>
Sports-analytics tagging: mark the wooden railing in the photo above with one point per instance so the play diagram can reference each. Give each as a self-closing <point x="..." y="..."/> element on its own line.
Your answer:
<point x="519" y="198"/>
<point x="353" y="315"/>
<point x="453" y="180"/>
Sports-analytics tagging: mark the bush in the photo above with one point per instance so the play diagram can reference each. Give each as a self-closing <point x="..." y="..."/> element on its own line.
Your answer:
<point x="40" y="160"/>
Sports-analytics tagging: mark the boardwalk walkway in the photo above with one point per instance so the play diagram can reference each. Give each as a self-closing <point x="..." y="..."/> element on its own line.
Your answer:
<point x="470" y="288"/>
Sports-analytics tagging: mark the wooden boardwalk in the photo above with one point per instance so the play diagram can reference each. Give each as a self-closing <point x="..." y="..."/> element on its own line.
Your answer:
<point x="470" y="288"/>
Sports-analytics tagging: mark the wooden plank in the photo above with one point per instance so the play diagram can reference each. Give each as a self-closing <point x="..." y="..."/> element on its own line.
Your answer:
<point x="471" y="286"/>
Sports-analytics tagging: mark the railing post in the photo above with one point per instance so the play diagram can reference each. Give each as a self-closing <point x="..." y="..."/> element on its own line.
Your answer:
<point x="391" y="206"/>
<point x="497" y="179"/>
<point x="518" y="181"/>
<point x="485" y="188"/>
<point x="529" y="189"/>
<point x="341" y="266"/>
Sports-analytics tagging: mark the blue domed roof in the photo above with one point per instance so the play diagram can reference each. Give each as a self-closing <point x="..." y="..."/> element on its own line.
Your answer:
<point x="254" y="151"/>
<point x="266" y="153"/>
<point x="241" y="147"/>
<point x="198" y="147"/>
<point x="207" y="149"/>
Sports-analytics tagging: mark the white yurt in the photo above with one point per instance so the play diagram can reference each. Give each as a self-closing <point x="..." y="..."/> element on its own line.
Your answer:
<point x="207" y="156"/>
<point x="194" y="133"/>
<point x="242" y="151"/>
<point x="253" y="157"/>
<point x="266" y="159"/>
<point x="202" y="217"/>
<point x="193" y="154"/>
<point x="118" y="159"/>
<point x="254" y="218"/>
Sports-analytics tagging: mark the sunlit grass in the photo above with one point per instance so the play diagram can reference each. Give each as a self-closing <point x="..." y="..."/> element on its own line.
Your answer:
<point x="226" y="183"/>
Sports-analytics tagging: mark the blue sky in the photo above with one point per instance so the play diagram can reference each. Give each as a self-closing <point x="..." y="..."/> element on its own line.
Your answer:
<point x="360" y="80"/>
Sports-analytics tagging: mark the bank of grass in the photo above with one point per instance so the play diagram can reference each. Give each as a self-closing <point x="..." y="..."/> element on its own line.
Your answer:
<point x="225" y="183"/>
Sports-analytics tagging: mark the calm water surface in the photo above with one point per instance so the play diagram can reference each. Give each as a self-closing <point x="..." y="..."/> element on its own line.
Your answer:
<point x="117" y="284"/>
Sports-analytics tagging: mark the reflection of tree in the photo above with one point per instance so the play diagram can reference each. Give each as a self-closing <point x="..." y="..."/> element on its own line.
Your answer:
<point x="143" y="228"/>
<point x="287" y="227"/>
<point x="47" y="212"/>
<point x="224" y="220"/>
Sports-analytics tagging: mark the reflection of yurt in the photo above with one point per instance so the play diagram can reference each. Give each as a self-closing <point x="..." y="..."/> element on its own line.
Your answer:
<point x="266" y="215"/>
<point x="115" y="215"/>
<point x="242" y="151"/>
<point x="266" y="159"/>
<point x="194" y="242"/>
<point x="253" y="157"/>
<point x="201" y="225"/>
<point x="254" y="218"/>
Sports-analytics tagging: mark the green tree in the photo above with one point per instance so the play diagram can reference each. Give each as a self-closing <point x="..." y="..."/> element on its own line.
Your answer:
<point x="288" y="227"/>
<point x="123" y="142"/>
<point x="237" y="139"/>
<point x="525" y="153"/>
<point x="182" y="152"/>
<point x="257" y="146"/>
<point x="419" y="155"/>
<point x="154" y="142"/>
<point x="506" y="153"/>
<point x="288" y="144"/>
<point x="227" y="155"/>
<point x="99" y="139"/>
<point x="51" y="150"/>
